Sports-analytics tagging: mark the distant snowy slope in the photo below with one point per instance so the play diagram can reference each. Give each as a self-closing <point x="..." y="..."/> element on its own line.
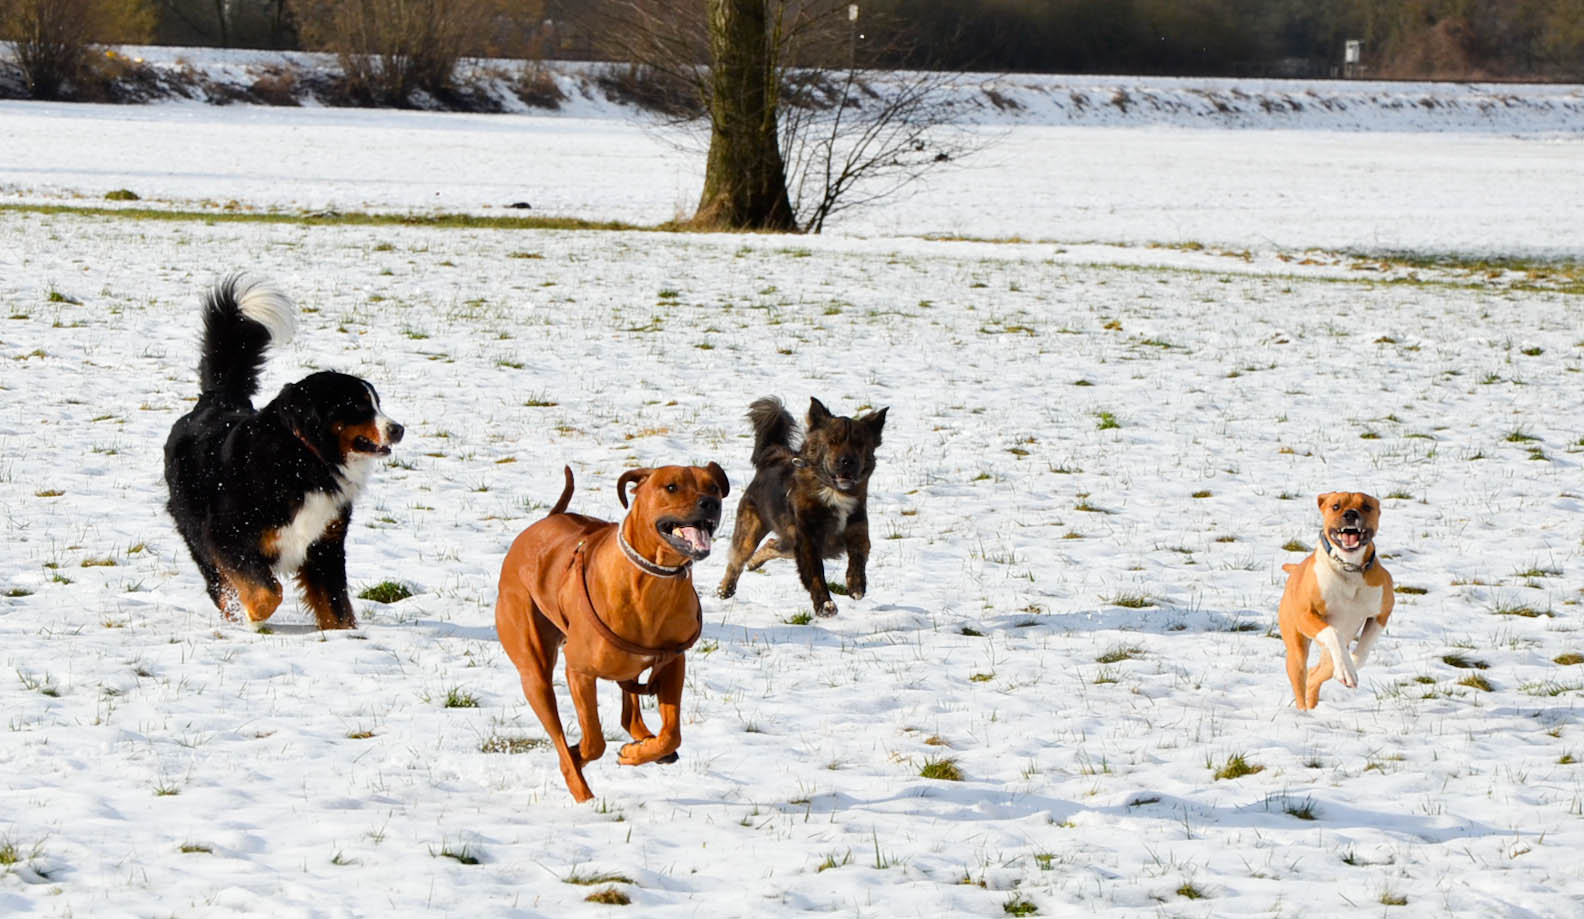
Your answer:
<point x="1038" y="99"/>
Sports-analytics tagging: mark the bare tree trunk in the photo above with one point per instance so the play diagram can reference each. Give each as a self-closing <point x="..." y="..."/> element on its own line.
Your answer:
<point x="744" y="176"/>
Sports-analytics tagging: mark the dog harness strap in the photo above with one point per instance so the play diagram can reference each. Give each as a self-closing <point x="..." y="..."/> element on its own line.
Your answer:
<point x="661" y="656"/>
<point x="646" y="566"/>
<point x="1330" y="552"/>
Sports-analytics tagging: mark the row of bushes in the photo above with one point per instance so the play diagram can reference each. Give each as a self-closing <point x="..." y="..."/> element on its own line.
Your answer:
<point x="389" y="50"/>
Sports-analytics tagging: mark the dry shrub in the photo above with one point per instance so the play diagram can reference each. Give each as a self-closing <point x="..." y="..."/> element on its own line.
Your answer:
<point x="536" y="86"/>
<point x="53" y="41"/>
<point x="650" y="88"/>
<point x="391" y="49"/>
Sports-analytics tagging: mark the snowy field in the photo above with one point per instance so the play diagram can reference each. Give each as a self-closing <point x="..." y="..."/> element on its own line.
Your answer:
<point x="1098" y="455"/>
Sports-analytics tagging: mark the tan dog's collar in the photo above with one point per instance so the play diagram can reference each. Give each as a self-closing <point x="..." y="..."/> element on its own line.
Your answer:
<point x="646" y="566"/>
<point x="1331" y="553"/>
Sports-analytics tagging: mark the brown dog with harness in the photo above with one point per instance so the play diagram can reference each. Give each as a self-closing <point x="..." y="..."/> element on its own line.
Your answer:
<point x="620" y="598"/>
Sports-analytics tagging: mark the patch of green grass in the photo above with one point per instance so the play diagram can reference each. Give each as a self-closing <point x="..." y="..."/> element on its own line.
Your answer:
<point x="1387" y="898"/>
<point x="1463" y="662"/>
<point x="981" y="677"/>
<point x="1519" y="436"/>
<point x="499" y="743"/>
<point x="1569" y="658"/>
<point x="463" y="855"/>
<point x="1293" y="545"/>
<point x="1106" y="421"/>
<point x="1190" y="892"/>
<point x="1120" y="653"/>
<point x="831" y="862"/>
<point x="944" y="769"/>
<point x="456" y="697"/>
<point x="972" y="632"/>
<point x="1019" y="906"/>
<point x="192" y="848"/>
<point x="1237" y="766"/>
<point x="602" y="877"/>
<point x="1410" y="591"/>
<point x="19" y="592"/>
<point x="48" y="493"/>
<point x="1538" y="572"/>
<point x="1524" y="610"/>
<point x="386" y="592"/>
<point x="1303" y="810"/>
<point x="1129" y="600"/>
<point x="610" y="896"/>
<point x="442" y="221"/>
<point x="1476" y="681"/>
<point x="359" y="735"/>
<point x="799" y="619"/>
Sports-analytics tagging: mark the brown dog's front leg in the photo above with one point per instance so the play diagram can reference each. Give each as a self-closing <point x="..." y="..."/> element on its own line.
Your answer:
<point x="811" y="570"/>
<point x="857" y="556"/>
<point x="591" y="746"/>
<point x="662" y="747"/>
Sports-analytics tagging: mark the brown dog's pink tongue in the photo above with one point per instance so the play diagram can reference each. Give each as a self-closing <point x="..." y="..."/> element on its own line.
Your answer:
<point x="695" y="537"/>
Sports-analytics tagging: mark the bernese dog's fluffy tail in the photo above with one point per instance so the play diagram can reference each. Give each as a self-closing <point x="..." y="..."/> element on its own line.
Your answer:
<point x="774" y="428"/>
<point x="242" y="316"/>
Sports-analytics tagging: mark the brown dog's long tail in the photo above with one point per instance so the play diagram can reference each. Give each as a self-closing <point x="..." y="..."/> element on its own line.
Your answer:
<point x="566" y="494"/>
<point x="774" y="428"/>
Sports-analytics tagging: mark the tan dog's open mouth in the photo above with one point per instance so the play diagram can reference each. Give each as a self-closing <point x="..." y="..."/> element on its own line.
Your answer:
<point x="692" y="538"/>
<point x="1351" y="537"/>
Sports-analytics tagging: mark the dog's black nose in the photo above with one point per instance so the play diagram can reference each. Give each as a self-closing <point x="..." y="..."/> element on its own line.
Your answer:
<point x="396" y="432"/>
<point x="1350" y="514"/>
<point x="710" y="506"/>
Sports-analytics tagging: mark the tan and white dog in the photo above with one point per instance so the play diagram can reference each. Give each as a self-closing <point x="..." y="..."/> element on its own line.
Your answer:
<point x="1339" y="593"/>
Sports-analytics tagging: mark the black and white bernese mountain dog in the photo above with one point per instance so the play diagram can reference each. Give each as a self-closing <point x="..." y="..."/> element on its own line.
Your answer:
<point x="266" y="493"/>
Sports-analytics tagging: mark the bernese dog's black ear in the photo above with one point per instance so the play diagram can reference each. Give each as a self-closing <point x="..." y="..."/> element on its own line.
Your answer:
<point x="303" y="414"/>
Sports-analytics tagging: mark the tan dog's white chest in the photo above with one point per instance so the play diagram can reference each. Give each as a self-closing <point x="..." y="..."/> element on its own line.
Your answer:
<point x="841" y="505"/>
<point x="1349" y="601"/>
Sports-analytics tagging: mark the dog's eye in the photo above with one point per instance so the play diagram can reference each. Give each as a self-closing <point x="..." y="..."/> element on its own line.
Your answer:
<point x="671" y="487"/>
<point x="1336" y="507"/>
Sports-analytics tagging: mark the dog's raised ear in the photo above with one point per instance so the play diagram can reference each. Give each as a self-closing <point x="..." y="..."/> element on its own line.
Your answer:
<point x="719" y="475"/>
<point x="634" y="476"/>
<point x="875" y="422"/>
<point x="818" y="414"/>
<point x="1320" y="502"/>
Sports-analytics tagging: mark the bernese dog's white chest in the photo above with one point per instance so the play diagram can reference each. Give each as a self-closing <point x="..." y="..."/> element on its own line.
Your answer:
<point x="319" y="510"/>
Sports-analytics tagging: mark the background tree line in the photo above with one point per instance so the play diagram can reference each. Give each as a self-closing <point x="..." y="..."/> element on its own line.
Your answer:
<point x="1436" y="39"/>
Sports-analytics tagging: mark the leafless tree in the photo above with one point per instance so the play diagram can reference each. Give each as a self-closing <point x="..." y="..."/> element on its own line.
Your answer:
<point x="793" y="117"/>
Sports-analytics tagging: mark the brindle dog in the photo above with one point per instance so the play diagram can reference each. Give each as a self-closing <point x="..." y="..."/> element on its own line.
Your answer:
<point x="813" y="497"/>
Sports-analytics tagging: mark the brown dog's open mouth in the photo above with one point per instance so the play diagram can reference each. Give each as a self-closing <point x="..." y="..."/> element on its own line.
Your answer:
<point x="692" y="538"/>
<point x="364" y="445"/>
<point x="1350" y="538"/>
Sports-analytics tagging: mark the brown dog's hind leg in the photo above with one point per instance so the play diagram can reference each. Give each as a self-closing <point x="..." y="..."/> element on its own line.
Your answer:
<point x="535" y="653"/>
<point x="662" y="747"/>
<point x="747" y="532"/>
<point x="772" y="549"/>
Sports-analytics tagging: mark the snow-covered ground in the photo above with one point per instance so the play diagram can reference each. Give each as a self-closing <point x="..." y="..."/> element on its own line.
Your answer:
<point x="1097" y="456"/>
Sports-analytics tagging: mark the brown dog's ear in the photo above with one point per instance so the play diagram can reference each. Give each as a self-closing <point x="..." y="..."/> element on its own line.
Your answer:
<point x="875" y="422"/>
<point x="719" y="475"/>
<point x="818" y="414"/>
<point x="1320" y="502"/>
<point x="635" y="476"/>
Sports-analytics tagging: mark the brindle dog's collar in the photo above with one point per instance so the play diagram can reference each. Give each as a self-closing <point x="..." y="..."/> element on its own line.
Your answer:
<point x="1345" y="565"/>
<point x="646" y="566"/>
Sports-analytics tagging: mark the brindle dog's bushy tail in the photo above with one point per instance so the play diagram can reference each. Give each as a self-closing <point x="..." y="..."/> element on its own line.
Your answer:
<point x="774" y="430"/>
